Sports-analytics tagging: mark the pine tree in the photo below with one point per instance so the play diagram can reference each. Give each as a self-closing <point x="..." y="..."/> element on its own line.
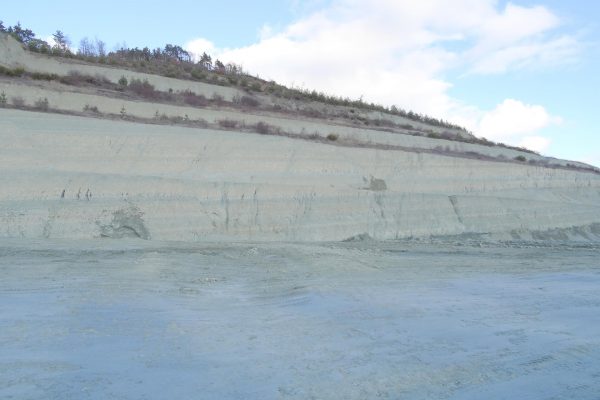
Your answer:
<point x="62" y="41"/>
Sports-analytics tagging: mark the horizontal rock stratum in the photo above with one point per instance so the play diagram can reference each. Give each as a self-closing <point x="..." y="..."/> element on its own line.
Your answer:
<point x="74" y="177"/>
<point x="70" y="176"/>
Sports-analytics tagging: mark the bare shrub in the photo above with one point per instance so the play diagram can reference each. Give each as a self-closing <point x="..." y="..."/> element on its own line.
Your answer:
<point x="41" y="104"/>
<point x="218" y="99"/>
<point x="333" y="137"/>
<point x="200" y="122"/>
<point x="176" y="119"/>
<point x="246" y="101"/>
<point x="193" y="99"/>
<point x="474" y="154"/>
<point x="17" y="101"/>
<point x="41" y="76"/>
<point x="74" y="78"/>
<point x="103" y="80"/>
<point x="383" y="122"/>
<point x="143" y="89"/>
<point x="265" y="129"/>
<point x="311" y="112"/>
<point x="3" y="99"/>
<point x="91" y="109"/>
<point x="228" y="123"/>
<point x="520" y="158"/>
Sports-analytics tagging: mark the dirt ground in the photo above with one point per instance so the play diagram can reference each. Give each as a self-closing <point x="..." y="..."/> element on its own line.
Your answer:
<point x="393" y="320"/>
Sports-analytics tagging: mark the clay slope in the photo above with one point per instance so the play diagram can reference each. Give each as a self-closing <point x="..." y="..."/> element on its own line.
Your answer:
<point x="67" y="173"/>
<point x="74" y="177"/>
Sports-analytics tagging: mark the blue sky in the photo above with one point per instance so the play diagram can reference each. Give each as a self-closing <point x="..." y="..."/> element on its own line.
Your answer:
<point x="522" y="72"/>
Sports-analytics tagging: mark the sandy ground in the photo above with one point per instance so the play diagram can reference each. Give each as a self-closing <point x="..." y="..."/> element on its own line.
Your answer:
<point x="134" y="320"/>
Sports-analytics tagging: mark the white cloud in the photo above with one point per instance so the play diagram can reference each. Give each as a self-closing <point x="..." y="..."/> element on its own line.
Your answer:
<point x="50" y="40"/>
<point x="562" y="50"/>
<point x="199" y="46"/>
<point x="399" y="51"/>
<point x="535" y="143"/>
<point x="516" y="123"/>
<point x="513" y="118"/>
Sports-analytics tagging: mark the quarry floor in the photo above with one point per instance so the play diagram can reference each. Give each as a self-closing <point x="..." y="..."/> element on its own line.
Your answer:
<point x="396" y="320"/>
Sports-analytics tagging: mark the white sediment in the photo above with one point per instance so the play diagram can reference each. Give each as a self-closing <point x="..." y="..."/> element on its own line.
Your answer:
<point x="175" y="183"/>
<point x="75" y="177"/>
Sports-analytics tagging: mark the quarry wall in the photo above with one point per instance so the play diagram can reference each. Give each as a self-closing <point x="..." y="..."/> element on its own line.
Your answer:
<point x="74" y="177"/>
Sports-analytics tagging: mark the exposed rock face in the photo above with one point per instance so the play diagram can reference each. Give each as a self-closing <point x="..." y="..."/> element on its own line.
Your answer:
<point x="125" y="222"/>
<point x="72" y="177"/>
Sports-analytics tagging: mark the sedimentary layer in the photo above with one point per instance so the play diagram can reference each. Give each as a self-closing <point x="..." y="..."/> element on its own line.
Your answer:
<point x="74" y="177"/>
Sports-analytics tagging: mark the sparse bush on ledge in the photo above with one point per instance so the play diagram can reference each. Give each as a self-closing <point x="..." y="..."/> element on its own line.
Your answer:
<point x="13" y="72"/>
<point x="266" y="129"/>
<point x="75" y="78"/>
<point x="161" y="117"/>
<point x="333" y="137"/>
<point x="91" y="109"/>
<point x="143" y="89"/>
<point x="17" y="101"/>
<point x="193" y="99"/>
<point x="41" y="104"/>
<point x="218" y="99"/>
<point x="246" y="101"/>
<point x="311" y="113"/>
<point x="41" y="76"/>
<point x="3" y="99"/>
<point x="520" y="158"/>
<point x="228" y="123"/>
